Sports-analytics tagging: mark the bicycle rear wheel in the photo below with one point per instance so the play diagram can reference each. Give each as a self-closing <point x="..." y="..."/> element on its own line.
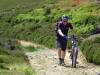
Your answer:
<point x="74" y="58"/>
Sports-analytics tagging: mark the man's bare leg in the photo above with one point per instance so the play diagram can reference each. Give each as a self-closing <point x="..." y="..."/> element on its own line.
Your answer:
<point x="63" y="53"/>
<point x="59" y="52"/>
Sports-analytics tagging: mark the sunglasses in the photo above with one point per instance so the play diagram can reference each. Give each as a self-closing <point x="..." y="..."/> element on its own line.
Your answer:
<point x="65" y="20"/>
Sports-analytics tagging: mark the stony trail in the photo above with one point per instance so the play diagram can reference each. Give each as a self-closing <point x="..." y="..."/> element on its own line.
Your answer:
<point x="46" y="63"/>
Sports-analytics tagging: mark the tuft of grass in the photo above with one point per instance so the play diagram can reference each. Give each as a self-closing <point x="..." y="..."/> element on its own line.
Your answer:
<point x="30" y="48"/>
<point x="91" y="50"/>
<point x="25" y="68"/>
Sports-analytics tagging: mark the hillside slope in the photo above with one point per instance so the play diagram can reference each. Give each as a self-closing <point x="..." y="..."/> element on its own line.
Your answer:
<point x="13" y="61"/>
<point x="91" y="49"/>
<point x="37" y="23"/>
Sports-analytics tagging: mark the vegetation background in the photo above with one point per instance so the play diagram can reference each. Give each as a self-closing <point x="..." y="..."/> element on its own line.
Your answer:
<point x="35" y="20"/>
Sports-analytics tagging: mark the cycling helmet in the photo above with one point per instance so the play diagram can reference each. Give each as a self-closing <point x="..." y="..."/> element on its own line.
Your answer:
<point x="64" y="17"/>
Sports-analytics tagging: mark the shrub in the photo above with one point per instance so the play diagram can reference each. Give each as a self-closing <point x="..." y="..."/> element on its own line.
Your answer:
<point x="91" y="50"/>
<point x="47" y="11"/>
<point x="83" y="18"/>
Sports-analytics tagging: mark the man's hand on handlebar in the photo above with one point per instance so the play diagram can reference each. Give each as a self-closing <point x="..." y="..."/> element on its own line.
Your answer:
<point x="72" y="37"/>
<point x="64" y="36"/>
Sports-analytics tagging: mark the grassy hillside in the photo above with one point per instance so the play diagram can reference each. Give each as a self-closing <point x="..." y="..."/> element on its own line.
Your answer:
<point x="36" y="21"/>
<point x="13" y="61"/>
<point x="38" y="25"/>
<point x="8" y="4"/>
<point x="91" y="49"/>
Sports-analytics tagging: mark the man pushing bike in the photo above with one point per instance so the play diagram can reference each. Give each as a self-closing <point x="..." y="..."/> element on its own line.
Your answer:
<point x="62" y="28"/>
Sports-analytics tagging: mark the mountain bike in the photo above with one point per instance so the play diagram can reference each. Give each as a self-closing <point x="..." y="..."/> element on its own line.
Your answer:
<point x="74" y="52"/>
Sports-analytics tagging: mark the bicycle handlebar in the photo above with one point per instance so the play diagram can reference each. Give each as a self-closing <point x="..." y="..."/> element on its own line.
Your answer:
<point x="70" y="37"/>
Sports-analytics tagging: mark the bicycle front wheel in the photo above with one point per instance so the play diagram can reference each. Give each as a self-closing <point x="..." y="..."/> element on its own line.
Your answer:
<point x="74" y="58"/>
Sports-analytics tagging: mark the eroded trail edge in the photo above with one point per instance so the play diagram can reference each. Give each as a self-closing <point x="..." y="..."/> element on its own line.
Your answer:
<point x="46" y="63"/>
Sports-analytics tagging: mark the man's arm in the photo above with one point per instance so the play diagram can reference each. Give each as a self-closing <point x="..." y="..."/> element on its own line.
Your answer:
<point x="60" y="32"/>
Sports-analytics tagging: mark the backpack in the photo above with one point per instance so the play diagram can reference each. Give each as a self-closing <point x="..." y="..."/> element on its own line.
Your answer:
<point x="59" y="22"/>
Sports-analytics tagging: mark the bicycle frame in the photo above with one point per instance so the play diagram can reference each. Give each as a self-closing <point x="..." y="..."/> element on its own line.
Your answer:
<point x="74" y="43"/>
<point x="74" y="52"/>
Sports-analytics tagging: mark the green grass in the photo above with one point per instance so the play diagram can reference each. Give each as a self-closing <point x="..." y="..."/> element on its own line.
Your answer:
<point x="14" y="61"/>
<point x="91" y="50"/>
<point x="34" y="24"/>
<point x="27" y="4"/>
<point x="11" y="44"/>
<point x="36" y="21"/>
<point x="18" y="69"/>
<point x="5" y="4"/>
<point x="32" y="48"/>
<point x="39" y="26"/>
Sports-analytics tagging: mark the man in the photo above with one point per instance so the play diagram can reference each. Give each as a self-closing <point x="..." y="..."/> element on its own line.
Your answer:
<point x="61" y="37"/>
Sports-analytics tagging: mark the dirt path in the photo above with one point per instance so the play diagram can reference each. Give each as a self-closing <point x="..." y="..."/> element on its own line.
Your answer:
<point x="46" y="63"/>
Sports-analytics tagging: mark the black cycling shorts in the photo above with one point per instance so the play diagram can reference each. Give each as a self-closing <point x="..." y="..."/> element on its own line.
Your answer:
<point x="61" y="44"/>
